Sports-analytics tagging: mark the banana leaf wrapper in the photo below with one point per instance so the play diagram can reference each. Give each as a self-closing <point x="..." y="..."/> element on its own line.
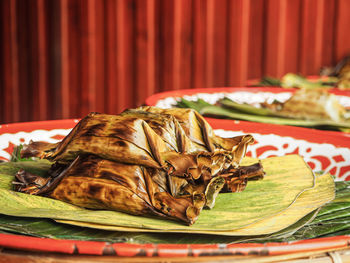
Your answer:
<point x="309" y="108"/>
<point x="142" y="136"/>
<point x="306" y="106"/>
<point x="286" y="178"/>
<point x="307" y="227"/>
<point x="96" y="183"/>
<point x="233" y="111"/>
<point x="144" y="162"/>
<point x="321" y="192"/>
<point x="48" y="228"/>
<point x="310" y="104"/>
<point x="305" y="205"/>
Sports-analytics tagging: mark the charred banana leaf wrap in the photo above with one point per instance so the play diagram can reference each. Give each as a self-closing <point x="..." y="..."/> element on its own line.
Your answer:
<point x="145" y="161"/>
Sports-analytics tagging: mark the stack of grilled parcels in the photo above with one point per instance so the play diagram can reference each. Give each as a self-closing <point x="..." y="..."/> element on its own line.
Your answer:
<point x="145" y="161"/>
<point x="131" y="172"/>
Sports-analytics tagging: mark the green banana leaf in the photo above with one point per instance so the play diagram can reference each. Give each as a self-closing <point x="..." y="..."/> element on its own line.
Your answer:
<point x="294" y="80"/>
<point x="7" y="170"/>
<point x="250" y="113"/>
<point x="269" y="81"/>
<point x="41" y="227"/>
<point x="332" y="224"/>
<point x="246" y="108"/>
<point x="341" y="185"/>
<point x="340" y="205"/>
<point x="196" y="105"/>
<point x="51" y="229"/>
<point x="48" y="228"/>
<point x="287" y="177"/>
<point x="16" y="155"/>
<point x="327" y="228"/>
<point x="304" y="204"/>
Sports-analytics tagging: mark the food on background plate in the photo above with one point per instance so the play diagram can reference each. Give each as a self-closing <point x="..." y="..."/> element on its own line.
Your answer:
<point x="305" y="104"/>
<point x="330" y="77"/>
<point x="341" y="72"/>
<point x="146" y="161"/>
<point x="292" y="80"/>
<point x="306" y="107"/>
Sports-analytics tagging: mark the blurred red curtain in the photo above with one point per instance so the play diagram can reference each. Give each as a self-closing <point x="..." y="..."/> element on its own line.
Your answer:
<point x="65" y="58"/>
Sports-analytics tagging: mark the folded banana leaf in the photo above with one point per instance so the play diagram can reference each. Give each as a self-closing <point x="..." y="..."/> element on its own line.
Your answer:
<point x="331" y="220"/>
<point x="305" y="203"/>
<point x="290" y="111"/>
<point x="96" y="183"/>
<point x="291" y="80"/>
<point x="303" y="229"/>
<point x="51" y="229"/>
<point x="233" y="110"/>
<point x="269" y="81"/>
<point x="311" y="104"/>
<point x="247" y="108"/>
<point x="286" y="178"/>
<point x="38" y="167"/>
<point x="146" y="161"/>
<point x="142" y="136"/>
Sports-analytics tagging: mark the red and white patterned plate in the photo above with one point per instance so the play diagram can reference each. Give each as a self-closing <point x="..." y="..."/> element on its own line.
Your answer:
<point x="323" y="150"/>
<point x="252" y="95"/>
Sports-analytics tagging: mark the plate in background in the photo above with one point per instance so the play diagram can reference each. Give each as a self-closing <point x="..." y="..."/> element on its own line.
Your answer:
<point x="251" y="95"/>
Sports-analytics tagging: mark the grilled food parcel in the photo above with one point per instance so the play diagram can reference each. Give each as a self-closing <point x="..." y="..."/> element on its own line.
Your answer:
<point x="330" y="77"/>
<point x="145" y="161"/>
<point x="306" y="107"/>
<point x="316" y="104"/>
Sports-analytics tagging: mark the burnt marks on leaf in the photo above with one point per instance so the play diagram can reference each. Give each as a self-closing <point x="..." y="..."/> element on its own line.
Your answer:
<point x="120" y="131"/>
<point x="124" y="163"/>
<point x="143" y="157"/>
<point x="119" y="179"/>
<point x="60" y="193"/>
<point x="94" y="189"/>
<point x="94" y="130"/>
<point x="120" y="143"/>
<point x="158" y="126"/>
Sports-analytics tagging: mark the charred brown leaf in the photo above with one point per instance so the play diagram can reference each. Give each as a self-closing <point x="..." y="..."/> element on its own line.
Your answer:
<point x="146" y="161"/>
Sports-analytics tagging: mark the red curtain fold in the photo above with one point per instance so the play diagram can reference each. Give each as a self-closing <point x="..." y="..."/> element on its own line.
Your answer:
<point x="66" y="58"/>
